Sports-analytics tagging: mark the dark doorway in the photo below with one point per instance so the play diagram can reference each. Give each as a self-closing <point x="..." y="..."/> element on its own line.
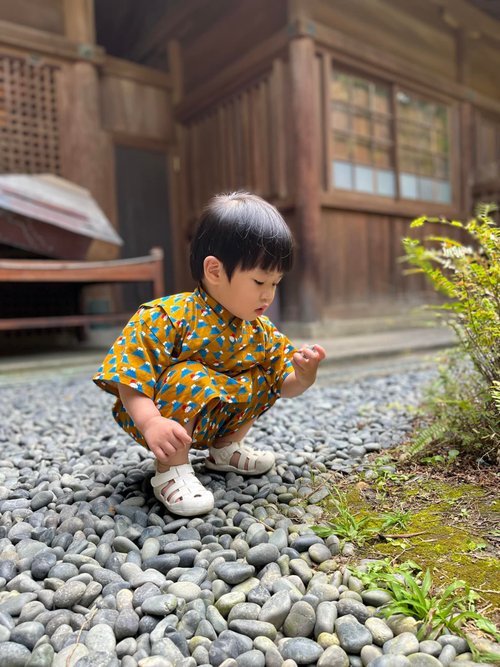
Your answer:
<point x="143" y="213"/>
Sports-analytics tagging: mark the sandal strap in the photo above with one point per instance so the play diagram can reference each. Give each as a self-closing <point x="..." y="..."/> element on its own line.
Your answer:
<point x="222" y="455"/>
<point x="184" y="480"/>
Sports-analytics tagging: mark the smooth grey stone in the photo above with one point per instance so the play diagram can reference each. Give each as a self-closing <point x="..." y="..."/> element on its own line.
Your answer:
<point x="41" y="499"/>
<point x="234" y="573"/>
<point x="98" y="659"/>
<point x="403" y="644"/>
<point x="126" y="625"/>
<point x="259" y="595"/>
<point x="302" y="569"/>
<point x="379" y="629"/>
<point x="352" y="634"/>
<point x="127" y="646"/>
<point x="162" y="562"/>
<point x="253" y="629"/>
<point x="69" y="594"/>
<point x="246" y="611"/>
<point x="27" y="634"/>
<point x="357" y="609"/>
<point x="369" y="653"/>
<point x="4" y="634"/>
<point x="14" y="604"/>
<point x="42" y="564"/>
<point x="326" y="615"/>
<point x="447" y="655"/>
<point x="375" y="597"/>
<point x="42" y="656"/>
<point x="159" y="605"/>
<point x="392" y="660"/>
<point x="334" y="656"/>
<point x="8" y="569"/>
<point x="276" y="609"/>
<point x="205" y="629"/>
<point x="300" y="621"/>
<point x="303" y="542"/>
<point x="319" y="553"/>
<point x="302" y="650"/>
<point x="431" y="647"/>
<point x="13" y="655"/>
<point x="144" y="592"/>
<point x="459" y="643"/>
<point x="262" y="554"/>
<point x="63" y="571"/>
<point x="423" y="660"/>
<point x="228" y="645"/>
<point x="251" y="659"/>
<point x="185" y="590"/>
<point x="100" y="637"/>
<point x="216" y="620"/>
<point x="324" y="592"/>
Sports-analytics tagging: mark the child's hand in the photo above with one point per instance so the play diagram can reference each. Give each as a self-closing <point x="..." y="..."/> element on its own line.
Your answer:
<point x="306" y="362"/>
<point x="165" y="437"/>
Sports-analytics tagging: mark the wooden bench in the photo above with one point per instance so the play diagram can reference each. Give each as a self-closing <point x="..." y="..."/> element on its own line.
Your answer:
<point x="138" y="269"/>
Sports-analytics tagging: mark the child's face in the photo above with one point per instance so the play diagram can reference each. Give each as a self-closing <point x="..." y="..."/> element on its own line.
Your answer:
<point x="249" y="293"/>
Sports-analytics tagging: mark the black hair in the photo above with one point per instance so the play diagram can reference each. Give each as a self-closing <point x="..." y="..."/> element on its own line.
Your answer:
<point x="244" y="232"/>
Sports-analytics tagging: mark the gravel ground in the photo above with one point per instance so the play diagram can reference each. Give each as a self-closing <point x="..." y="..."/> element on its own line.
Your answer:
<point x="94" y="572"/>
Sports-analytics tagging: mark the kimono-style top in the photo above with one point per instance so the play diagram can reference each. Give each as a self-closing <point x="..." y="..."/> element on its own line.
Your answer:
<point x="186" y="349"/>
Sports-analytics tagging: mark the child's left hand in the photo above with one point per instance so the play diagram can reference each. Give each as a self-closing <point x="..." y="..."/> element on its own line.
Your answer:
<point x="306" y="362"/>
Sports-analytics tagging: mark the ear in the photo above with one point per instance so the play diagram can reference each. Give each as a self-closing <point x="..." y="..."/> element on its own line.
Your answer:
<point x="213" y="270"/>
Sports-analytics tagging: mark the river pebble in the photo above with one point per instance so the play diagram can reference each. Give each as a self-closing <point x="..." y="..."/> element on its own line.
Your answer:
<point x="95" y="572"/>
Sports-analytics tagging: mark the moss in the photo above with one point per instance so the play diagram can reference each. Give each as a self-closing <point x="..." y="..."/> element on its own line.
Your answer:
<point x="450" y="551"/>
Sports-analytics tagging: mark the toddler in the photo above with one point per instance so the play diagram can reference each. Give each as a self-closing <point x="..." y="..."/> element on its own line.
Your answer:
<point x="197" y="369"/>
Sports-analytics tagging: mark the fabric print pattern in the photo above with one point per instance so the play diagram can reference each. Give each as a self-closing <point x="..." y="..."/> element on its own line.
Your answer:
<point x="195" y="360"/>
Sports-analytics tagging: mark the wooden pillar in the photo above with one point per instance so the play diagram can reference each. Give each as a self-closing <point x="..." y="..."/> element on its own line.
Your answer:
<point x="87" y="156"/>
<point x="306" y="287"/>
<point x="79" y="21"/>
<point x="177" y="180"/>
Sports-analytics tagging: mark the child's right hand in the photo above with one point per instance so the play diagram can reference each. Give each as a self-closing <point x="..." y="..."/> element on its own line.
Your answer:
<point x="165" y="437"/>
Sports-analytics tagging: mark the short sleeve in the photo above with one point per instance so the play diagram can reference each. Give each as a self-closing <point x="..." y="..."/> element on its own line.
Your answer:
<point x="139" y="356"/>
<point x="278" y="358"/>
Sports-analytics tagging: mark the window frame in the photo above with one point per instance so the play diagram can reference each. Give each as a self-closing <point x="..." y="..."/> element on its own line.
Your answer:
<point x="356" y="200"/>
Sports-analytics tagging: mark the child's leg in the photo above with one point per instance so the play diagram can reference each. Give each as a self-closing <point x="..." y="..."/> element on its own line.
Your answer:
<point x="230" y="438"/>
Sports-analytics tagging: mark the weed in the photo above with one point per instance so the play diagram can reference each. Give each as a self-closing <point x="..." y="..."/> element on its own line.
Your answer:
<point x="414" y="594"/>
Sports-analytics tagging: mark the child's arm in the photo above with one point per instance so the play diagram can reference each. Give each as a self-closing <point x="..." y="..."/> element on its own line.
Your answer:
<point x="164" y="436"/>
<point x="305" y="363"/>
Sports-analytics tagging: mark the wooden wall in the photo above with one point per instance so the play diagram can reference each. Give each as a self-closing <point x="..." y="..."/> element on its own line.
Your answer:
<point x="45" y="15"/>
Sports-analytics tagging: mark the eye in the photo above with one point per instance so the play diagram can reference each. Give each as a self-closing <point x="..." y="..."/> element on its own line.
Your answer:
<point x="258" y="282"/>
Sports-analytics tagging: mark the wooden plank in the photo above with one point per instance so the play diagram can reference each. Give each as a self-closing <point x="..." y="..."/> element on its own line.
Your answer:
<point x="355" y="201"/>
<point x="126" y="69"/>
<point x="79" y="20"/>
<point x="37" y="41"/>
<point x="46" y="15"/>
<point x="277" y="122"/>
<point x="60" y="321"/>
<point x="465" y="15"/>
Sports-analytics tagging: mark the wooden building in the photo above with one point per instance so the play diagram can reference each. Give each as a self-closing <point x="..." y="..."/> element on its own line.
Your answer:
<point x="352" y="116"/>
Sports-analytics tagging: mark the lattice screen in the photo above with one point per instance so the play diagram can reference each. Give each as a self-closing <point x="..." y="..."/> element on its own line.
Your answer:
<point x="29" y="131"/>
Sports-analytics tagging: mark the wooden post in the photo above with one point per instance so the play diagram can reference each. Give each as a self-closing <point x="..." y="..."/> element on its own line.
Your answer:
<point x="177" y="180"/>
<point x="307" y="288"/>
<point x="87" y="156"/>
<point x="79" y="21"/>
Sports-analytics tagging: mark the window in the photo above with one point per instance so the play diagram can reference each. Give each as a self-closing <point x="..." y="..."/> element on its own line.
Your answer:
<point x="387" y="142"/>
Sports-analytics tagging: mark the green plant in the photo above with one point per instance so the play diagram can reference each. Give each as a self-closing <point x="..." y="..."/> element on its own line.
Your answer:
<point x="437" y="459"/>
<point x="345" y="524"/>
<point x="414" y="594"/>
<point x="470" y="277"/>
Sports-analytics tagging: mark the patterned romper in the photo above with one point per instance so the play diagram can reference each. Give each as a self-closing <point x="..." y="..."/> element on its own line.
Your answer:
<point x="195" y="360"/>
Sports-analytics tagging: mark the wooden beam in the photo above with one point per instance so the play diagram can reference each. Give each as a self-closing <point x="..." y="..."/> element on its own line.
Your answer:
<point x="37" y="41"/>
<point x="126" y="69"/>
<point x="79" y="21"/>
<point x="306" y="181"/>
<point x="463" y="14"/>
<point x="244" y="69"/>
<point x="349" y="49"/>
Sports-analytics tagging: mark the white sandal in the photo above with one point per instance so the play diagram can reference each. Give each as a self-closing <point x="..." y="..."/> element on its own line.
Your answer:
<point x="195" y="498"/>
<point x="250" y="462"/>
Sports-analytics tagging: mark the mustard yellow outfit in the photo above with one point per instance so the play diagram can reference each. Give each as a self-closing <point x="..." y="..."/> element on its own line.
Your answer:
<point x="195" y="360"/>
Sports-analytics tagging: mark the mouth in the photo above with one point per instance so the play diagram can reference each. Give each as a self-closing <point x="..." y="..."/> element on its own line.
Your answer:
<point x="261" y="310"/>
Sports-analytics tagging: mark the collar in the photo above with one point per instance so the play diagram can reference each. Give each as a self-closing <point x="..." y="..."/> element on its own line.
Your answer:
<point x="214" y="305"/>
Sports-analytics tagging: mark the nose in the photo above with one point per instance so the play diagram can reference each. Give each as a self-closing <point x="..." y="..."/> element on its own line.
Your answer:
<point x="268" y="294"/>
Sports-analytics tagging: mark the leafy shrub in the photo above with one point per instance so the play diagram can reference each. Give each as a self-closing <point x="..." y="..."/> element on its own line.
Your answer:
<point x="469" y="275"/>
